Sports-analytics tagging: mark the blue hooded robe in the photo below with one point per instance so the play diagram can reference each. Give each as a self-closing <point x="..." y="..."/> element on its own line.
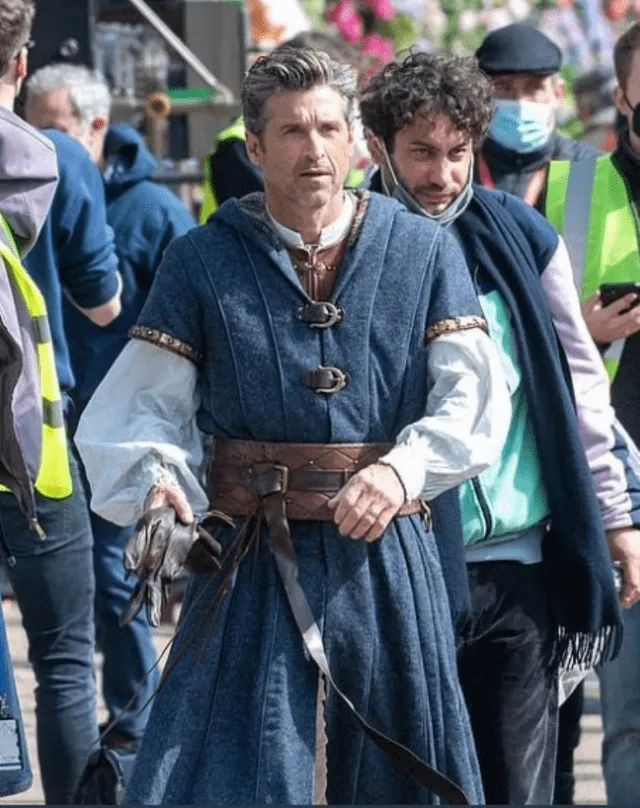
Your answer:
<point x="235" y="719"/>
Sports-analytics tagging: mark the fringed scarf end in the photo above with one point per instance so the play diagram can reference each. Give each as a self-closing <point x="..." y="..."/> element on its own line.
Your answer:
<point x="586" y="650"/>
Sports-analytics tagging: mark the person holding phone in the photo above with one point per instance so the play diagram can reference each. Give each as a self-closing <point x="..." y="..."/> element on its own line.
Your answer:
<point x="594" y="204"/>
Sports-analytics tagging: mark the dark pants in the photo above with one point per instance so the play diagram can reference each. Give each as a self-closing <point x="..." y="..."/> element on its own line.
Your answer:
<point x="128" y="681"/>
<point x="53" y="582"/>
<point x="509" y="683"/>
<point x="568" y="740"/>
<point x="129" y="653"/>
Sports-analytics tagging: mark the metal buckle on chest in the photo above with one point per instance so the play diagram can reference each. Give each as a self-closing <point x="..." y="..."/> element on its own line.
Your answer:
<point x="320" y="314"/>
<point x="326" y="380"/>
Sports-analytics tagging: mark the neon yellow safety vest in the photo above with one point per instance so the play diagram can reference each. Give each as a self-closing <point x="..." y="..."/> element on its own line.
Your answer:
<point x="54" y="477"/>
<point x="589" y="204"/>
<point x="236" y="131"/>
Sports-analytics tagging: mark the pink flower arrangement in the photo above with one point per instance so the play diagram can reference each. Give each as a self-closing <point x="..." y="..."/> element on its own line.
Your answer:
<point x="364" y="22"/>
<point x="383" y="9"/>
<point x="347" y="20"/>
<point x="378" y="46"/>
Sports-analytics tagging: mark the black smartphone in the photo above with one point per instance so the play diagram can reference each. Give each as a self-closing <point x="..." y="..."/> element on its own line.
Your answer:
<point x="610" y="292"/>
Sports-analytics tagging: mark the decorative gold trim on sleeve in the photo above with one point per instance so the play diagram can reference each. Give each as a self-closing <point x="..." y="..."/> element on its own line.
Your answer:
<point x="452" y="324"/>
<point x="165" y="341"/>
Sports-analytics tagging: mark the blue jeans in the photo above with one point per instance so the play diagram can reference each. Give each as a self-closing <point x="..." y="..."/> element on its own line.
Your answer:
<point x="53" y="582"/>
<point x="620" y="696"/>
<point x="129" y="653"/>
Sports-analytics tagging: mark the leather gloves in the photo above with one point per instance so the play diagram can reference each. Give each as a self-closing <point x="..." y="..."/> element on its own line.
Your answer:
<point x="160" y="550"/>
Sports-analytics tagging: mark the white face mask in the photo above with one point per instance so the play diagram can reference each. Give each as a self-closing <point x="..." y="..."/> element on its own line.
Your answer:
<point x="401" y="193"/>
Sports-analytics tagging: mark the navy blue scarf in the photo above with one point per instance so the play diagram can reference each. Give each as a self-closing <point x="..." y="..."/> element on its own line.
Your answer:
<point x="509" y="246"/>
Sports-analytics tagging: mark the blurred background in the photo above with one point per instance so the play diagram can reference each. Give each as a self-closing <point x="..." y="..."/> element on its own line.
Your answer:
<point x="175" y="66"/>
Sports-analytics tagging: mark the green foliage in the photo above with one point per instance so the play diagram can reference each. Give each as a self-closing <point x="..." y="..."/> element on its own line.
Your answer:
<point x="403" y="30"/>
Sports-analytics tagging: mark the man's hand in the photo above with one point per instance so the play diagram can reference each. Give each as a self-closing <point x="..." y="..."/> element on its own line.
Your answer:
<point x="607" y="324"/>
<point x="165" y="494"/>
<point x="365" y="506"/>
<point x="624" y="546"/>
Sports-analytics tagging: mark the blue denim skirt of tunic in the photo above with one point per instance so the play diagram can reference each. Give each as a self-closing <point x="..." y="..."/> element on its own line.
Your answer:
<point x="235" y="719"/>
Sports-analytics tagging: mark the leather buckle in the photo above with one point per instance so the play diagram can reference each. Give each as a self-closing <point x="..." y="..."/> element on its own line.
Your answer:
<point x="269" y="478"/>
<point x="320" y="314"/>
<point x="326" y="380"/>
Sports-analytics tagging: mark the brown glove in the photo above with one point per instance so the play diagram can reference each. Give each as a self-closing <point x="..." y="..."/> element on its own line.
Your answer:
<point x="160" y="550"/>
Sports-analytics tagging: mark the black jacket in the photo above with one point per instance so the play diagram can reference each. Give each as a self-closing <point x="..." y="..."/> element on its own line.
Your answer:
<point x="512" y="171"/>
<point x="233" y="174"/>
<point x="625" y="392"/>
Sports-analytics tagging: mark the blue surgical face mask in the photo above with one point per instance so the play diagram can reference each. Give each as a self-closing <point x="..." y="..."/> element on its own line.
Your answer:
<point x="522" y="126"/>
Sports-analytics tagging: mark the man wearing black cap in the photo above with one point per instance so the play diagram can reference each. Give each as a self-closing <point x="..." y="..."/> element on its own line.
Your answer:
<point x="523" y="64"/>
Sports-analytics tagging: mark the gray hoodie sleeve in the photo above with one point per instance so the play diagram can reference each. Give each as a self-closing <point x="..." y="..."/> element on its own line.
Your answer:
<point x="28" y="178"/>
<point x="596" y="416"/>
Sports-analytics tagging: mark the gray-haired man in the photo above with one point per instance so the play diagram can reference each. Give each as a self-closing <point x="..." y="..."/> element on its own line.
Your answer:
<point x="308" y="330"/>
<point x="145" y="218"/>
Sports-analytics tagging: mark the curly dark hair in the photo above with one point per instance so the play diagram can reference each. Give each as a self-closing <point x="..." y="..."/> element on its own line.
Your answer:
<point x="428" y="83"/>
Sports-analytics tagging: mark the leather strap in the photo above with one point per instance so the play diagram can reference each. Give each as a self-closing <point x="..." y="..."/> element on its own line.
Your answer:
<point x="268" y="474"/>
<point x="320" y="314"/>
<point x="274" y="509"/>
<point x="327" y="380"/>
<point x="310" y="474"/>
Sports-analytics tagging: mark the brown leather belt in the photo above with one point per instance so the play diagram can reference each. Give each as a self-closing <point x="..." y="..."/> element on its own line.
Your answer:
<point x="308" y="475"/>
<point x="281" y="481"/>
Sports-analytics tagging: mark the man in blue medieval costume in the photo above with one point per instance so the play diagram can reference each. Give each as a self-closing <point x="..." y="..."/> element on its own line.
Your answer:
<point x="332" y="344"/>
<point x="537" y="523"/>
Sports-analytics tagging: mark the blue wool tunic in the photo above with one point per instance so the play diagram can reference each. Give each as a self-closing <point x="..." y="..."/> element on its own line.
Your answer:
<point x="235" y="721"/>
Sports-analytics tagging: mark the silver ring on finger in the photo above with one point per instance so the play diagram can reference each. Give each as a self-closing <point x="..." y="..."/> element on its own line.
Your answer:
<point x="373" y="512"/>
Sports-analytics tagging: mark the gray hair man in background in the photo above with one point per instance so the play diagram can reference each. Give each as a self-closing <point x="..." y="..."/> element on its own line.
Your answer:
<point x="145" y="218"/>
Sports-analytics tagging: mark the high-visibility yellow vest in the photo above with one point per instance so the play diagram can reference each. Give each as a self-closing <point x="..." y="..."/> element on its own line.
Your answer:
<point x="589" y="204"/>
<point x="54" y="477"/>
<point x="236" y="131"/>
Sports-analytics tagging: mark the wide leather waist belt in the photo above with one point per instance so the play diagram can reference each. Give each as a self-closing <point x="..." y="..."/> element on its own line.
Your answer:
<point x="308" y="475"/>
<point x="276" y="482"/>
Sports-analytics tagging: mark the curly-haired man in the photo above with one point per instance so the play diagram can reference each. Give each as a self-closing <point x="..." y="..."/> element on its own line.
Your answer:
<point x="535" y="527"/>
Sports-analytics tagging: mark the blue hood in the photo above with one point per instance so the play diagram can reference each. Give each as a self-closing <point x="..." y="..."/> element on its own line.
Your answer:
<point x="128" y="160"/>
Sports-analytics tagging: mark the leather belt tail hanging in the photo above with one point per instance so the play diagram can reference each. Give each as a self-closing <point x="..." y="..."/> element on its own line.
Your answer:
<point x="274" y="510"/>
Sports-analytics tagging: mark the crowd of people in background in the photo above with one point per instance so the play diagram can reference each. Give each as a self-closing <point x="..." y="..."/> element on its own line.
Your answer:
<point x="380" y="410"/>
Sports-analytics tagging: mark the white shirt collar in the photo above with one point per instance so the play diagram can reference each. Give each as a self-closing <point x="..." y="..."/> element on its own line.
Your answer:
<point x="332" y="234"/>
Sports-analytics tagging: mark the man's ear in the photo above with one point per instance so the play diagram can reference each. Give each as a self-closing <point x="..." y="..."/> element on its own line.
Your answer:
<point x="375" y="150"/>
<point x="559" y="88"/>
<point x="254" y="148"/>
<point x="21" y="64"/>
<point x="621" y="101"/>
<point x="99" y="124"/>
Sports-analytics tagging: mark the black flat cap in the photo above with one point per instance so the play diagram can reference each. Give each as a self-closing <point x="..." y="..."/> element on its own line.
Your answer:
<point x="519" y="48"/>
